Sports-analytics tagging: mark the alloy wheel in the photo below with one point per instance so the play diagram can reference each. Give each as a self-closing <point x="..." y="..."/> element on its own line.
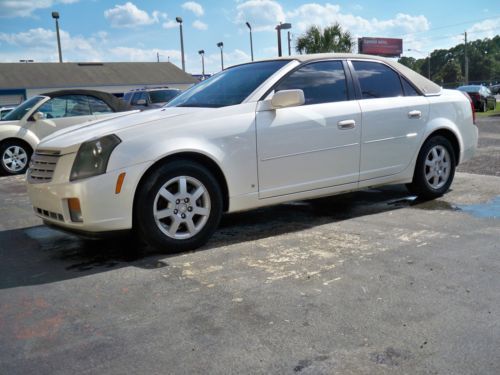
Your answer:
<point x="437" y="167"/>
<point x="182" y="207"/>
<point x="15" y="159"/>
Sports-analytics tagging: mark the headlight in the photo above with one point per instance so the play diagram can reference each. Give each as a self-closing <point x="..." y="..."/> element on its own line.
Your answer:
<point x="93" y="156"/>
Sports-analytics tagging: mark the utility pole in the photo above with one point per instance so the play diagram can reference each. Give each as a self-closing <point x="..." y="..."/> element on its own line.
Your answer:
<point x="466" y="61"/>
<point x="157" y="56"/>
<point x="251" y="41"/>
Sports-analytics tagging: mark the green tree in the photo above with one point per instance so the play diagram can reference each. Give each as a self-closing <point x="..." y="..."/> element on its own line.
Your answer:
<point x="451" y="72"/>
<point x="329" y="39"/>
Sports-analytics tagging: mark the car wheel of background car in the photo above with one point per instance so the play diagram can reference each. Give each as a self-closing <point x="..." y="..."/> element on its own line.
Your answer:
<point x="15" y="156"/>
<point x="434" y="170"/>
<point x="178" y="207"/>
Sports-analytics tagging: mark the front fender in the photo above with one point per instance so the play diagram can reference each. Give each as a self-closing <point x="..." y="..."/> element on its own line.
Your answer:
<point x="18" y="132"/>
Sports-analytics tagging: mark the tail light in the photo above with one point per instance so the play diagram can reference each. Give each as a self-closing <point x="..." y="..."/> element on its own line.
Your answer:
<point x="468" y="96"/>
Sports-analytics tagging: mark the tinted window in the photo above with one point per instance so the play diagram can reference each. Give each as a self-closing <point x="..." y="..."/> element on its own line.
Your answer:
<point x="409" y="89"/>
<point x="138" y="96"/>
<point x="66" y="106"/>
<point x="127" y="96"/>
<point x="229" y="87"/>
<point x="322" y="82"/>
<point x="163" y="96"/>
<point x="377" y="80"/>
<point x="97" y="106"/>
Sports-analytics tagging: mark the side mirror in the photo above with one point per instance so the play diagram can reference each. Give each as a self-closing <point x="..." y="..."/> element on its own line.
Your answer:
<point x="288" y="98"/>
<point x="37" y="116"/>
<point x="142" y="102"/>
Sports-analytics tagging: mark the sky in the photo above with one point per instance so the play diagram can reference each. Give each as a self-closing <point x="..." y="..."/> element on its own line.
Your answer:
<point x="140" y="30"/>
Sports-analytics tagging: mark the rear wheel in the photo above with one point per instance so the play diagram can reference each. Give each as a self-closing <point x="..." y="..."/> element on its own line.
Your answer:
<point x="435" y="168"/>
<point x="15" y="156"/>
<point x="178" y="207"/>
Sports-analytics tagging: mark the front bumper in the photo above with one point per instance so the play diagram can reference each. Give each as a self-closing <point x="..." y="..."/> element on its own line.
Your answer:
<point x="102" y="209"/>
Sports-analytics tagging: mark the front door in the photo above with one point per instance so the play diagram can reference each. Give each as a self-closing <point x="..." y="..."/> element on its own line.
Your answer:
<point x="61" y="112"/>
<point x="313" y="146"/>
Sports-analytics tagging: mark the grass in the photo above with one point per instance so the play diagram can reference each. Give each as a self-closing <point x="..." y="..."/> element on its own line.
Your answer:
<point x="496" y="112"/>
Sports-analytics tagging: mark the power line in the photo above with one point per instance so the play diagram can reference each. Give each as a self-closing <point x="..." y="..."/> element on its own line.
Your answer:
<point x="447" y="26"/>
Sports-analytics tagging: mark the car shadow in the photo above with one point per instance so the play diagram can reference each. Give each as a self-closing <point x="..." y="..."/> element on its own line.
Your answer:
<point x="39" y="255"/>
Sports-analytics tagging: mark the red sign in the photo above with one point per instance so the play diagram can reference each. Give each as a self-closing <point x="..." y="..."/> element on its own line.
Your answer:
<point x="389" y="47"/>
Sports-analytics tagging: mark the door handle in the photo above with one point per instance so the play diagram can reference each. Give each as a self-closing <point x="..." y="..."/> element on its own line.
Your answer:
<point x="346" y="124"/>
<point x="415" y="114"/>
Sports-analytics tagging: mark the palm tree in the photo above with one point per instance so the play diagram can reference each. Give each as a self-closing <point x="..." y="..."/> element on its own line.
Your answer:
<point x="330" y="39"/>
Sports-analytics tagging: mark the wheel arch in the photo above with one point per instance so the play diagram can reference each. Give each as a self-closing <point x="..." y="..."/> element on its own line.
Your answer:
<point x="20" y="140"/>
<point x="195" y="157"/>
<point x="451" y="137"/>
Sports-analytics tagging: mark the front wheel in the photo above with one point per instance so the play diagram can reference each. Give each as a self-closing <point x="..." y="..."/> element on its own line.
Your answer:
<point x="434" y="170"/>
<point x="178" y="207"/>
<point x="15" y="156"/>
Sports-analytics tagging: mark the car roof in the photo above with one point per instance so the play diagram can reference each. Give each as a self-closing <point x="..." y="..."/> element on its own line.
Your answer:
<point x="425" y="85"/>
<point x="116" y="104"/>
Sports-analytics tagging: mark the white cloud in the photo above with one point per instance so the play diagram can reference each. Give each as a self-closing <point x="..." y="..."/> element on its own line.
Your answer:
<point x="200" y="25"/>
<point x="25" y="8"/>
<point x="194" y="7"/>
<point x="143" y="54"/>
<point x="485" y="29"/>
<point x="128" y="15"/>
<point x="169" y="24"/>
<point x="40" y="44"/>
<point x="324" y="15"/>
<point x="263" y="15"/>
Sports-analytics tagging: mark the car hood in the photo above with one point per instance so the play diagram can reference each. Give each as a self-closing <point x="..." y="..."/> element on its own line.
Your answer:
<point x="68" y="140"/>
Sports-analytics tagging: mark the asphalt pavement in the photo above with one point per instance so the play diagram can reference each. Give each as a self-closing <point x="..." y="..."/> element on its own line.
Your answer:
<point x="374" y="282"/>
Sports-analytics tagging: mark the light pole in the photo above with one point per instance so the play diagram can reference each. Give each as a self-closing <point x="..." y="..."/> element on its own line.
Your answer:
<point x="179" y="20"/>
<point x="289" y="44"/>
<point x="251" y="41"/>
<point x="55" y="15"/>
<point x="221" y="46"/>
<point x="202" y="54"/>
<point x="428" y="62"/>
<point x="281" y="26"/>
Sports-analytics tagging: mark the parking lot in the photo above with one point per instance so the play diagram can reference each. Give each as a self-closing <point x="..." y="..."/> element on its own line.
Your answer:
<point x="372" y="282"/>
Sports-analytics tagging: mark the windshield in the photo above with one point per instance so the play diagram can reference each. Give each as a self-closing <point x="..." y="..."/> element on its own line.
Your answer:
<point x="470" y="88"/>
<point x="229" y="87"/>
<point x="19" y="112"/>
<point x="163" y="96"/>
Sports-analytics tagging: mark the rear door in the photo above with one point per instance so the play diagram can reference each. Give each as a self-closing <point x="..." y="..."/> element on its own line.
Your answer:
<point x="394" y="116"/>
<point x="315" y="145"/>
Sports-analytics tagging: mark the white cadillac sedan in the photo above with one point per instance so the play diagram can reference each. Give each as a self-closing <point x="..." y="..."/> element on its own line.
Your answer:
<point x="253" y="135"/>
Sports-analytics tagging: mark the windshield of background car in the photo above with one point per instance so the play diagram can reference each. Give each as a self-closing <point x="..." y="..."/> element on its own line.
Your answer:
<point x="19" y="112"/>
<point x="470" y="88"/>
<point x="229" y="87"/>
<point x="163" y="96"/>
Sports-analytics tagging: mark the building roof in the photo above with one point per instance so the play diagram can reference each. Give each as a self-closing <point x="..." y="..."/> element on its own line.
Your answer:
<point x="60" y="75"/>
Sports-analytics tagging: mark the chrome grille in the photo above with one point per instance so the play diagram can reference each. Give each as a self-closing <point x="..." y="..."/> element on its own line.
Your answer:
<point x="42" y="167"/>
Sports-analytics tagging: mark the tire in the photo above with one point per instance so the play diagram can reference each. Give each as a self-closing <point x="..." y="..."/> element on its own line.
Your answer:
<point x="178" y="207"/>
<point x="14" y="157"/>
<point x="434" y="170"/>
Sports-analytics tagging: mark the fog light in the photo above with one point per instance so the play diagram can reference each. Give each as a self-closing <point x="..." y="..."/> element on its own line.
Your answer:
<point x="75" y="211"/>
